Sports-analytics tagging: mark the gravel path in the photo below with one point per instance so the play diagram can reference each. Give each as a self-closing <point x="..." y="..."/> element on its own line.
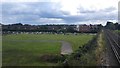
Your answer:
<point x="65" y="49"/>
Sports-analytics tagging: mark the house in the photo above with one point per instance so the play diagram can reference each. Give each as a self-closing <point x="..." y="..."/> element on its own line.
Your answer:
<point x="87" y="28"/>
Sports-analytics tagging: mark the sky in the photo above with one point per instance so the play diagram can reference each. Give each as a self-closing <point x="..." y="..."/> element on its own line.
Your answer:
<point x="37" y="12"/>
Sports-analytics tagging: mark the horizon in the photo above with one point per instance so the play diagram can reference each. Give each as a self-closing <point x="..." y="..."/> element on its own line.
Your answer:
<point x="51" y="24"/>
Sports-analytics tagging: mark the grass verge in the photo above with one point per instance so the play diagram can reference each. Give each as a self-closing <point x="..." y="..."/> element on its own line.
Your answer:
<point x="89" y="54"/>
<point x="100" y="49"/>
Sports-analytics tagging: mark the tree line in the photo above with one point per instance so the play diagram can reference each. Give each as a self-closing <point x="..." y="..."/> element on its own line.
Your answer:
<point x="112" y="26"/>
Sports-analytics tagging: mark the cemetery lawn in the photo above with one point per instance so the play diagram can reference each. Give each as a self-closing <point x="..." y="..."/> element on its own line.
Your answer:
<point x="18" y="52"/>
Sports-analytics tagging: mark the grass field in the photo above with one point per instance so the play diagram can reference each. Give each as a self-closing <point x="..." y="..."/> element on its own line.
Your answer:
<point x="118" y="31"/>
<point x="0" y="50"/>
<point x="27" y="53"/>
<point x="18" y="52"/>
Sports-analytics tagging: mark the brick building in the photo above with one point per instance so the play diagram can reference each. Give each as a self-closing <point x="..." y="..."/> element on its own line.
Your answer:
<point x="87" y="28"/>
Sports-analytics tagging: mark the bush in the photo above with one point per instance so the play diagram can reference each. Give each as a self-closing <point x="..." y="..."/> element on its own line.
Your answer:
<point x="84" y="55"/>
<point x="52" y="58"/>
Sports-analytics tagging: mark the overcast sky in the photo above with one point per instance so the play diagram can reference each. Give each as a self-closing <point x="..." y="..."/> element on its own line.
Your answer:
<point x="59" y="11"/>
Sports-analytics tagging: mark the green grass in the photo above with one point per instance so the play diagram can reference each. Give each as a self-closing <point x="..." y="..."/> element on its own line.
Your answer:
<point x="27" y="53"/>
<point x="75" y="40"/>
<point x="117" y="31"/>
<point x="20" y="53"/>
<point x="100" y="49"/>
<point x="33" y="47"/>
<point x="0" y="50"/>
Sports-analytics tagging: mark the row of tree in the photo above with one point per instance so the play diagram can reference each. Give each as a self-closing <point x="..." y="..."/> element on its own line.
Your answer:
<point x="112" y="26"/>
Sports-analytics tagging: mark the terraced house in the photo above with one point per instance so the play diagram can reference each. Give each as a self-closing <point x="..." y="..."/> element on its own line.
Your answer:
<point x="52" y="27"/>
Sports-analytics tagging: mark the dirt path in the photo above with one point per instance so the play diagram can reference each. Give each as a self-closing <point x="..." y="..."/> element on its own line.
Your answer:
<point x="65" y="49"/>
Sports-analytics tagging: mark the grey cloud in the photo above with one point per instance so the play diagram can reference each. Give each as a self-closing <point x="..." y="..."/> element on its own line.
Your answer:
<point x="30" y="11"/>
<point x="45" y="11"/>
<point x="83" y="10"/>
<point x="109" y="9"/>
<point x="109" y="13"/>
